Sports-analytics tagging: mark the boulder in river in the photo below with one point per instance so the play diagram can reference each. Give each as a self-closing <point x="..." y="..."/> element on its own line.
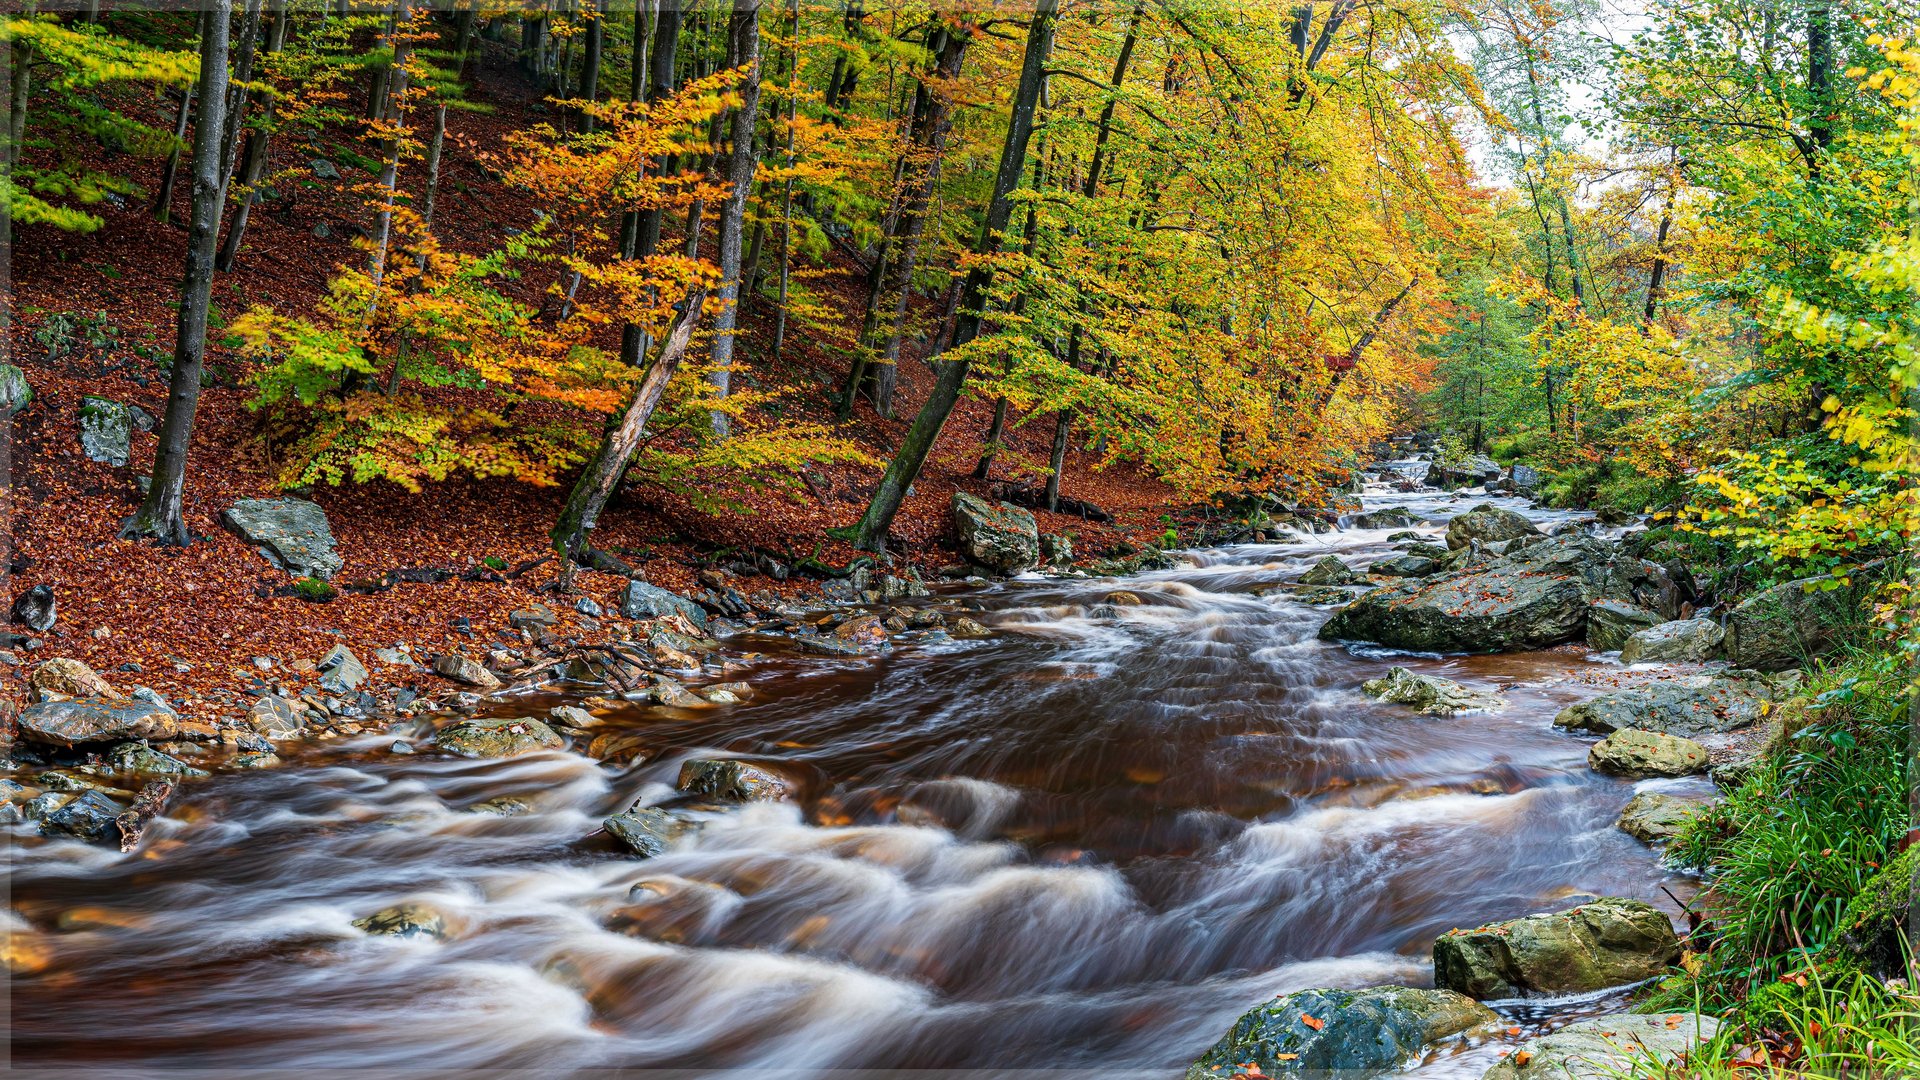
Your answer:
<point x="498" y="738"/>
<point x="137" y="759"/>
<point x="1529" y="599"/>
<point x="734" y="781"/>
<point x="1404" y="566"/>
<point x="61" y="678"/>
<point x="290" y="533"/>
<point x="1605" y="1047"/>
<point x="1472" y="472"/>
<point x="1784" y="626"/>
<point x="1654" y="817"/>
<point x="92" y="720"/>
<point x="1391" y="517"/>
<point x="1328" y="571"/>
<point x="1429" y="694"/>
<point x="87" y="816"/>
<point x="407" y="920"/>
<point x="1489" y="524"/>
<point x="1608" y="942"/>
<point x="106" y="431"/>
<point x="1691" y="705"/>
<point x="1682" y="641"/>
<point x="1002" y="538"/>
<point x="1638" y="754"/>
<point x="1358" y="1032"/>
<point x="35" y="609"/>
<point x="646" y="830"/>
<point x="641" y="600"/>
<point x="1611" y="622"/>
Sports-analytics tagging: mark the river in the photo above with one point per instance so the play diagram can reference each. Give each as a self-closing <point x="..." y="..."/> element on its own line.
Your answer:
<point x="1088" y="842"/>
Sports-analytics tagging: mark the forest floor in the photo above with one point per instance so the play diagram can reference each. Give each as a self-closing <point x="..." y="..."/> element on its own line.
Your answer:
<point x="192" y="617"/>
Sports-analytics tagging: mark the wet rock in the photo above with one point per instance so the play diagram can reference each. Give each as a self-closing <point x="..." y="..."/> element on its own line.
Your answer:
<point x="61" y="678"/>
<point x="1056" y="550"/>
<point x="1524" y="479"/>
<point x="1123" y="598"/>
<point x="647" y="831"/>
<point x="533" y="617"/>
<point x="1790" y="623"/>
<point x="134" y="759"/>
<point x="1605" y="1047"/>
<point x="572" y="716"/>
<point x="1682" y="641"/>
<point x="961" y="626"/>
<point x="1638" y="754"/>
<point x="1611" y="622"/>
<point x="865" y="633"/>
<point x="463" y="669"/>
<point x="670" y="650"/>
<point x="1610" y="942"/>
<point x="1002" y="538"/>
<point x="404" y="921"/>
<point x="1430" y="695"/>
<point x="91" y="720"/>
<point x="1404" y="566"/>
<point x="290" y="533"/>
<point x="1357" y="1032"/>
<point x="1328" y="571"/>
<point x="276" y="717"/>
<point x="35" y="609"/>
<point x="1321" y="597"/>
<point x="341" y="671"/>
<point x="503" y="806"/>
<point x="640" y="600"/>
<point x="1654" y="818"/>
<point x="15" y="393"/>
<point x="1388" y="518"/>
<point x="1488" y="524"/>
<point x="665" y="691"/>
<point x="106" y="431"/>
<point x="498" y="738"/>
<point x="254" y="759"/>
<point x="735" y="781"/>
<point x="1691" y="705"/>
<point x="87" y="816"/>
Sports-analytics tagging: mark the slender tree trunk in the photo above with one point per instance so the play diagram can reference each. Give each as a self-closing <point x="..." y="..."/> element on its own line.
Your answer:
<point x="786" y="194"/>
<point x="595" y="486"/>
<point x="169" y="174"/>
<point x="243" y="51"/>
<point x="253" y="156"/>
<point x="871" y="531"/>
<point x="666" y="46"/>
<point x="743" y="50"/>
<point x="590" y="63"/>
<point x="20" y="81"/>
<point x="1819" y="83"/>
<point x="162" y="514"/>
<point x="997" y="430"/>
<point x="390" y="169"/>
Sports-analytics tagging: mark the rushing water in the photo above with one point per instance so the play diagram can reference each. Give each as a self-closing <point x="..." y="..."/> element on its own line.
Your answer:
<point x="1088" y="842"/>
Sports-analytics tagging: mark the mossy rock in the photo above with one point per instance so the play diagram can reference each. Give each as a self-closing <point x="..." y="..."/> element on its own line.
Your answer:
<point x="1876" y="918"/>
<point x="1359" y="1032"/>
<point x="1610" y="942"/>
<point x="498" y="738"/>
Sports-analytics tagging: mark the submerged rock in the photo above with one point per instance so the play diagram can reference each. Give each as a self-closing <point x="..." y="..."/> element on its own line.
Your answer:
<point x="1328" y="571"/>
<point x="1606" y="1047"/>
<point x="1002" y="538"/>
<point x="1429" y="694"/>
<point x="1655" y="818"/>
<point x="1488" y="524"/>
<point x="407" y="920"/>
<point x="647" y="831"/>
<point x="1692" y="705"/>
<point x="1683" y="641"/>
<point x="1611" y="622"/>
<point x="1359" y="1032"/>
<point x="292" y="534"/>
<point x="1638" y="754"/>
<point x="498" y="738"/>
<point x="736" y="781"/>
<point x="1609" y="942"/>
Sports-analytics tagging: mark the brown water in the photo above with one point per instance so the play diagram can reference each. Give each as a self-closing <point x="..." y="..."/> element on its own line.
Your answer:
<point x="1087" y="843"/>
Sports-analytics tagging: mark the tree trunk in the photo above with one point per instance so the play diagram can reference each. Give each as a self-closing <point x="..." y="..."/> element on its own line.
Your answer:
<point x="20" y="80"/>
<point x="1819" y="83"/>
<point x="871" y="531"/>
<point x="997" y="430"/>
<point x="162" y="513"/>
<point x="170" y="173"/>
<point x="786" y="195"/>
<point x="244" y="51"/>
<point x="590" y="62"/>
<point x="253" y="156"/>
<point x="595" y="486"/>
<point x="666" y="46"/>
<point x="390" y="168"/>
<point x="743" y="50"/>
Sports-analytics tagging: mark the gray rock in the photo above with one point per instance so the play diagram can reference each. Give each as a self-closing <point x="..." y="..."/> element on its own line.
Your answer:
<point x="106" y="431"/>
<point x="1360" y="1032"/>
<point x="136" y="759"/>
<point x="62" y="678"/>
<point x="572" y="716"/>
<point x="1608" y="942"/>
<point x="323" y="169"/>
<point x="1691" y="705"/>
<point x="291" y="533"/>
<point x="648" y="831"/>
<point x="532" y="617"/>
<point x="1606" y="1047"/>
<point x="463" y="669"/>
<point x="1328" y="571"/>
<point x="92" y="720"/>
<point x="1523" y="479"/>
<point x="1682" y="641"/>
<point x="1388" y="518"/>
<point x="589" y="607"/>
<point x="1458" y="474"/>
<point x="1056" y="550"/>
<point x="1430" y="695"/>
<point x="498" y="738"/>
<point x="1654" y="817"/>
<point x="276" y="717"/>
<point x="736" y="781"/>
<point x="341" y="671"/>
<point x="87" y="816"/>
<point x="15" y="393"/>
<point x="1611" y="622"/>
<point x="1002" y="538"/>
<point x="404" y="921"/>
<point x="35" y="609"/>
<point x="1404" y="566"/>
<point x="641" y="600"/>
<point x="1640" y="754"/>
<point x="1790" y="623"/>
<point x="1488" y="524"/>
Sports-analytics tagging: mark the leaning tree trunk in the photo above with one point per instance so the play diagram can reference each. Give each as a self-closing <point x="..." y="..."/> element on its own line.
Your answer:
<point x="162" y="513"/>
<point x="871" y="531"/>
<point x="743" y="50"/>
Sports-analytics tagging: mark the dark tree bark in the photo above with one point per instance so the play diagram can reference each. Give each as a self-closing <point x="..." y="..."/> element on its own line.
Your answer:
<point x="1819" y="84"/>
<point x="162" y="514"/>
<point x="590" y="62"/>
<point x="871" y="531"/>
<point x="253" y="156"/>
<point x="20" y="79"/>
<point x="743" y="51"/>
<point x="243" y="54"/>
<point x="170" y="173"/>
<point x="646" y="225"/>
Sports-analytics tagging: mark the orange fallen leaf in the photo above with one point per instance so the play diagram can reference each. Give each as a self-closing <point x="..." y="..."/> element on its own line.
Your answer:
<point x="1313" y="1022"/>
<point x="1521" y="1057"/>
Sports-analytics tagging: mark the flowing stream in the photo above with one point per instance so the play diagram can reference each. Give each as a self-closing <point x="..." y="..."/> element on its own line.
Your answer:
<point x="1086" y="843"/>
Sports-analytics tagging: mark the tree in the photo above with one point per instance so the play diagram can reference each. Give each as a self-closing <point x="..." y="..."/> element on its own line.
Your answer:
<point x="743" y="56"/>
<point x="161" y="514"/>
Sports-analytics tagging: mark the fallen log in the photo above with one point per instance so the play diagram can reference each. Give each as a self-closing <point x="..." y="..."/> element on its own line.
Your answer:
<point x="149" y="804"/>
<point x="1034" y="498"/>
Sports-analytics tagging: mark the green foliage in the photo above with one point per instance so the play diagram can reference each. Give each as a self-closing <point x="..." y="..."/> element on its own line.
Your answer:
<point x="314" y="590"/>
<point x="494" y="562"/>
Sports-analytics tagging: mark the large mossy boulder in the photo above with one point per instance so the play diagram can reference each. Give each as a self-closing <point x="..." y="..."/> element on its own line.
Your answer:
<point x="1790" y="623"/>
<point x="1611" y="622"/>
<point x="1430" y="694"/>
<point x="1606" y="1047"/>
<point x="1329" y="571"/>
<point x="15" y="393"/>
<point x="1639" y="755"/>
<point x="292" y="534"/>
<point x="1691" y="705"/>
<point x="1609" y="942"/>
<point x="1356" y="1032"/>
<point x="498" y="738"/>
<point x="1654" y="817"/>
<point x="1530" y="599"/>
<point x="1489" y="524"/>
<point x="1682" y="641"/>
<point x="1874" y="926"/>
<point x="1002" y="538"/>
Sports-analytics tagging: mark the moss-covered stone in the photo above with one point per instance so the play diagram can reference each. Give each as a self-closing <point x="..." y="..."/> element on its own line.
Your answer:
<point x="1610" y="942"/>
<point x="498" y="738"/>
<point x="1359" y="1032"/>
<point x="1606" y="1047"/>
<point x="1876" y="919"/>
